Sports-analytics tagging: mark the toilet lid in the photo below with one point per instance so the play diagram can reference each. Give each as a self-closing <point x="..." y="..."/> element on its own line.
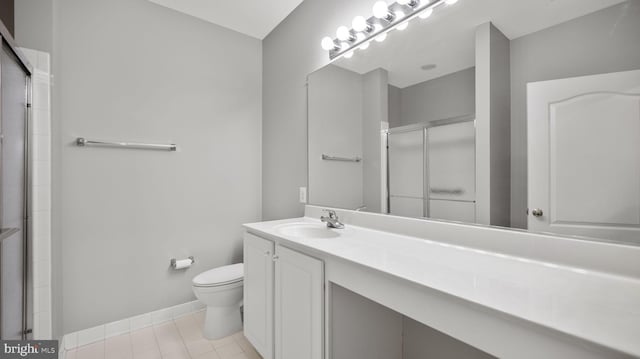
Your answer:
<point x="220" y="276"/>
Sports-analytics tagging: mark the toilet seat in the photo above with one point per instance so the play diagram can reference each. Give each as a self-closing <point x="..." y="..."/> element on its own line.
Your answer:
<point x="220" y="276"/>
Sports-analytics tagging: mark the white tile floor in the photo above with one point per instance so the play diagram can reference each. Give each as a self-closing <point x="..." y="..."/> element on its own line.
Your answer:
<point x="177" y="339"/>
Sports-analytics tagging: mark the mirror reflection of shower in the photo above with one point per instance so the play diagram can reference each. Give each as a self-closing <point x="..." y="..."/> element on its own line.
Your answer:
<point x="400" y="146"/>
<point x="431" y="170"/>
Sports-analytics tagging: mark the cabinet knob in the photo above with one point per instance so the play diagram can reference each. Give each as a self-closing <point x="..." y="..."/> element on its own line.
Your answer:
<point x="275" y="258"/>
<point x="537" y="212"/>
<point x="267" y="253"/>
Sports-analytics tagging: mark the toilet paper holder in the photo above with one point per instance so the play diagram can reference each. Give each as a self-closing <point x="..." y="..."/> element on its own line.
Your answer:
<point x="175" y="261"/>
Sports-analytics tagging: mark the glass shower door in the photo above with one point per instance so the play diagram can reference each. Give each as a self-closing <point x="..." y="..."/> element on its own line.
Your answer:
<point x="406" y="173"/>
<point x="452" y="172"/>
<point x="13" y="196"/>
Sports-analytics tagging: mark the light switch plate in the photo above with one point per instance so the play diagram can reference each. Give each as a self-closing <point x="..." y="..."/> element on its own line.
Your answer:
<point x="303" y="195"/>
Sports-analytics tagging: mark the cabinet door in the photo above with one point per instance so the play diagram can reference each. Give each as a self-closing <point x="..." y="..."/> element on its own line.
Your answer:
<point x="258" y="293"/>
<point x="299" y="305"/>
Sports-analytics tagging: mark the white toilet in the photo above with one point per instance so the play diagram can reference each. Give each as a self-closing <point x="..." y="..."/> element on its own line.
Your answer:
<point x="221" y="290"/>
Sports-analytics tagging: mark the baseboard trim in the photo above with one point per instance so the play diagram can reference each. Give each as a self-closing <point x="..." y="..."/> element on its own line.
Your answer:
<point x="84" y="337"/>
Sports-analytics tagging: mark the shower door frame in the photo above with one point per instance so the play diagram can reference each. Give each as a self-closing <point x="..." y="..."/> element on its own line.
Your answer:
<point x="8" y="42"/>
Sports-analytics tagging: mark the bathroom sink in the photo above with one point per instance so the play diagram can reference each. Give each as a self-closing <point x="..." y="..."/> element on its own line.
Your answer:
<point x="306" y="230"/>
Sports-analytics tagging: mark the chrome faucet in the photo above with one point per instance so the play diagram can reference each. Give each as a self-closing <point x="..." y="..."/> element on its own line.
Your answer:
<point x="332" y="221"/>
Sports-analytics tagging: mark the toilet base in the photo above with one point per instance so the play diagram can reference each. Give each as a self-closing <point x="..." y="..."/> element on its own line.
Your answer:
<point x="221" y="322"/>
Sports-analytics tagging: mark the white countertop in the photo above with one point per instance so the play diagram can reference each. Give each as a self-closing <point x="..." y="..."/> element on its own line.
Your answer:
<point x="599" y="307"/>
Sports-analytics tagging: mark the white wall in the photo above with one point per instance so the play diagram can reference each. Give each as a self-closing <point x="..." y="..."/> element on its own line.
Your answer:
<point x="290" y="52"/>
<point x="420" y="341"/>
<point x="132" y="70"/>
<point x="449" y="96"/>
<point x="346" y="112"/>
<point x="500" y="129"/>
<point x="361" y="328"/>
<point x="492" y="126"/>
<point x="375" y="109"/>
<point x="34" y="24"/>
<point x="335" y="129"/>
<point x="394" y="115"/>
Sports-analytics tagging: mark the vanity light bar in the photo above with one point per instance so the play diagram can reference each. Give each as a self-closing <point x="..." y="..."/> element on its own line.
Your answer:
<point x="385" y="18"/>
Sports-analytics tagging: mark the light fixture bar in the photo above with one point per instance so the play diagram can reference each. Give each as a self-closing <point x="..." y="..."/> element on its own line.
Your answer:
<point x="383" y="26"/>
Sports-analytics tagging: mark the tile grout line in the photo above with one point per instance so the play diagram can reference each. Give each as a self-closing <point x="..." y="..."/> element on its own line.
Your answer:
<point x="130" y="342"/>
<point x="155" y="336"/>
<point x="182" y="336"/>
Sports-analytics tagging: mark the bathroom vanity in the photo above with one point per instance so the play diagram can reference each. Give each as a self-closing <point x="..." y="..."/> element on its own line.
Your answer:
<point x="283" y="301"/>
<point x="510" y="294"/>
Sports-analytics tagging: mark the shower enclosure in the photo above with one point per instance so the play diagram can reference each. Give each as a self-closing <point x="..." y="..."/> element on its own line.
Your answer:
<point x="15" y="93"/>
<point x="431" y="170"/>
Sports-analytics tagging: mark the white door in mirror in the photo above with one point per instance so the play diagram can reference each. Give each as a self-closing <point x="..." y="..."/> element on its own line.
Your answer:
<point x="584" y="156"/>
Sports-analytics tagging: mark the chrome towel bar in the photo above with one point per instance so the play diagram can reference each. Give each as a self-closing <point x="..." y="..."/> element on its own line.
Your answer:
<point x="343" y="159"/>
<point x="81" y="141"/>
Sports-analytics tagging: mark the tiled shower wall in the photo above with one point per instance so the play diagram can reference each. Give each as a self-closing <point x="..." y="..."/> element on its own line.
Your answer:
<point x="40" y="167"/>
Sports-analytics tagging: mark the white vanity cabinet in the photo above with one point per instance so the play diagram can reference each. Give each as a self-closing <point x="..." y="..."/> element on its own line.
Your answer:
<point x="258" y="293"/>
<point x="299" y="299"/>
<point x="283" y="300"/>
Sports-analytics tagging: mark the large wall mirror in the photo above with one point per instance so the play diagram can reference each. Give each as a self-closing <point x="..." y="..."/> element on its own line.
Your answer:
<point x="521" y="114"/>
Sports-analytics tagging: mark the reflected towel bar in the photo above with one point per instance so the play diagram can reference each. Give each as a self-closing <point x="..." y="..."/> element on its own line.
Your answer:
<point x="343" y="159"/>
<point x="81" y="141"/>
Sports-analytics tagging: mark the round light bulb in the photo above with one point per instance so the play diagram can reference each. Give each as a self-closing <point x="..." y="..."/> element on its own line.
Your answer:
<point x="360" y="36"/>
<point x="348" y="55"/>
<point x="411" y="3"/>
<point x="425" y="14"/>
<point x="450" y="2"/>
<point x="380" y="9"/>
<point x="344" y="46"/>
<point x="359" y="23"/>
<point x="381" y="37"/>
<point x="327" y="43"/>
<point x="343" y="33"/>
<point x="400" y="15"/>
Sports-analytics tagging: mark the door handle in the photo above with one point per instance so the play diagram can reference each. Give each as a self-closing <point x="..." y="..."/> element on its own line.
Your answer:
<point x="537" y="212"/>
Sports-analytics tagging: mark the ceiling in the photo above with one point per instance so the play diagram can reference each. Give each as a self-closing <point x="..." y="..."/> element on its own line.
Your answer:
<point x="447" y="38"/>
<point x="255" y="18"/>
